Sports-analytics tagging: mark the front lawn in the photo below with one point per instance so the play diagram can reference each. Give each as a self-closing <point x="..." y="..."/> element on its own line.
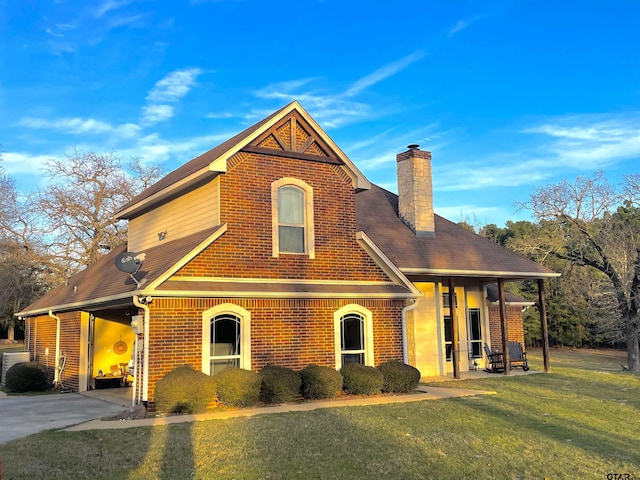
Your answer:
<point x="572" y="423"/>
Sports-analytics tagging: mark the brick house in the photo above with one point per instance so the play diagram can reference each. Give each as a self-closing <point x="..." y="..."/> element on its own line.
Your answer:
<point x="274" y="248"/>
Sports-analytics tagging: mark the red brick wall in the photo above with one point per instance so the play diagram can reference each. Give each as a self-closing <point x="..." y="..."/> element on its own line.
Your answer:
<point x="515" y="328"/>
<point x="245" y="250"/>
<point x="287" y="332"/>
<point x="42" y="335"/>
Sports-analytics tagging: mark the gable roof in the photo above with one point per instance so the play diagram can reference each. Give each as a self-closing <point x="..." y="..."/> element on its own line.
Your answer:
<point x="454" y="251"/>
<point x="213" y="162"/>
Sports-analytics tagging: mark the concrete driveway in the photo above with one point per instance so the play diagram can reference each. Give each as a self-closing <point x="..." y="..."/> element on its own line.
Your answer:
<point x="24" y="415"/>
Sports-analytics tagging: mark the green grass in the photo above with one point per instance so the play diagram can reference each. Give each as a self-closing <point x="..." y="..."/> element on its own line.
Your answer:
<point x="580" y="421"/>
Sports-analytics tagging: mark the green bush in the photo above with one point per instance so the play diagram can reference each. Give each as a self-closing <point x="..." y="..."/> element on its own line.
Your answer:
<point x="184" y="390"/>
<point x="238" y="387"/>
<point x="27" y="377"/>
<point x="361" y="380"/>
<point x="320" y="382"/>
<point x="279" y="384"/>
<point x="399" y="377"/>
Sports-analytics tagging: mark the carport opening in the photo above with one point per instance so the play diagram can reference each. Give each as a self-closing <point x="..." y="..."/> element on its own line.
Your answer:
<point x="111" y="351"/>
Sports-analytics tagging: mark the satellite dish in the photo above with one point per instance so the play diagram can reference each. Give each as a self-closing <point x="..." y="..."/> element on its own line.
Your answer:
<point x="129" y="262"/>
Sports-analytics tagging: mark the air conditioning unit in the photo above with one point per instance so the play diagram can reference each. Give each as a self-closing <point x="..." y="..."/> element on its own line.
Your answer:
<point x="9" y="360"/>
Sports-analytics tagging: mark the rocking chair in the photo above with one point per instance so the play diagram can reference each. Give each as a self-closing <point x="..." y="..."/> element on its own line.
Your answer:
<point x="495" y="359"/>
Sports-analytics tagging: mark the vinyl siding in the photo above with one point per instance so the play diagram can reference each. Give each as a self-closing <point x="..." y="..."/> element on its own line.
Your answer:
<point x="182" y="216"/>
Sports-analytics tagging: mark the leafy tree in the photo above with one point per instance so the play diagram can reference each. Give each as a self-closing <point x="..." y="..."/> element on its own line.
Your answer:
<point x="467" y="226"/>
<point x="592" y="229"/>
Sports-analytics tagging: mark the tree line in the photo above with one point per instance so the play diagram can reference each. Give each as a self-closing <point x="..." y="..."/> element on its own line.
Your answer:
<point x="587" y="229"/>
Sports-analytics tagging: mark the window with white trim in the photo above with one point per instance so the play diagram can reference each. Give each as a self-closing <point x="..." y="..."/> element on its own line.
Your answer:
<point x="474" y="324"/>
<point x="226" y="340"/>
<point x="292" y="212"/>
<point x="224" y="343"/>
<point x="353" y="335"/>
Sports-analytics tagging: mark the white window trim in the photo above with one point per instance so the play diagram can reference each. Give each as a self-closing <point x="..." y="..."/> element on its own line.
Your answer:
<point x="309" y="236"/>
<point x="368" y="332"/>
<point x="245" y="334"/>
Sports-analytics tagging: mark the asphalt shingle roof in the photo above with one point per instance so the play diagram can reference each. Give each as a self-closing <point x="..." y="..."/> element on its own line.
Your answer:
<point x="453" y="249"/>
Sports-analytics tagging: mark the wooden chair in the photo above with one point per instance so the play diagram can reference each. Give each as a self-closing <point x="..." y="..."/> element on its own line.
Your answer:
<point x="517" y="356"/>
<point x="495" y="359"/>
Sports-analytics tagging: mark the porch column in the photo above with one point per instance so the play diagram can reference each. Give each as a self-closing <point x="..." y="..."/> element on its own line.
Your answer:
<point x="503" y="327"/>
<point x="542" y="309"/>
<point x="455" y="354"/>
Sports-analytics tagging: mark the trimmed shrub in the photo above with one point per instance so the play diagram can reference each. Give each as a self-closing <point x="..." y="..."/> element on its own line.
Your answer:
<point x="184" y="390"/>
<point x="238" y="387"/>
<point x="279" y="384"/>
<point x="361" y="380"/>
<point x="399" y="377"/>
<point x="27" y="377"/>
<point x="320" y="382"/>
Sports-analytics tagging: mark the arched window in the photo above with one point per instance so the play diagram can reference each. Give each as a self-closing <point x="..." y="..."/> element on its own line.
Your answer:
<point x="292" y="210"/>
<point x="352" y="346"/>
<point x="226" y="338"/>
<point x="225" y="348"/>
<point x="353" y="335"/>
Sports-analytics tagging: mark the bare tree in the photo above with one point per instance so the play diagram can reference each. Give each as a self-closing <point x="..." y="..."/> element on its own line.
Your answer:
<point x="21" y="283"/>
<point x="69" y="223"/>
<point x="600" y="229"/>
<point x="20" y="280"/>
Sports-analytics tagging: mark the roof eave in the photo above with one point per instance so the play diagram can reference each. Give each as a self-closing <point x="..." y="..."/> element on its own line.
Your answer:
<point x="167" y="192"/>
<point x="477" y="273"/>
<point x="76" y="305"/>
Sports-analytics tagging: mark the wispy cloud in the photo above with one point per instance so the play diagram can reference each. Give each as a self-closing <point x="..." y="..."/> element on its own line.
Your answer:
<point x="390" y="143"/>
<point x="155" y="150"/>
<point x="495" y="171"/>
<point x="59" y="28"/>
<point x="462" y="24"/>
<point x="563" y="145"/>
<point x="382" y="73"/>
<point x="108" y="6"/>
<point x="169" y="89"/>
<point x="21" y="163"/>
<point x="156" y="113"/>
<point x="331" y="108"/>
<point x="52" y="33"/>
<point x="219" y="115"/>
<point x="589" y="141"/>
<point x="68" y="125"/>
<point x="174" y="86"/>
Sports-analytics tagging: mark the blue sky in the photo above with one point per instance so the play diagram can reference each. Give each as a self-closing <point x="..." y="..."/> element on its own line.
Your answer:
<point x="507" y="95"/>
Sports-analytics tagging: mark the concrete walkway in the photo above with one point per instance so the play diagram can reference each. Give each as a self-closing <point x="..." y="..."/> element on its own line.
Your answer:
<point x="425" y="393"/>
<point x="24" y="415"/>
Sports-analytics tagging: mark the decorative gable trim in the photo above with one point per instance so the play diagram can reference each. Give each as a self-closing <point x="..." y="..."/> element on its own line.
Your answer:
<point x="293" y="137"/>
<point x="319" y="148"/>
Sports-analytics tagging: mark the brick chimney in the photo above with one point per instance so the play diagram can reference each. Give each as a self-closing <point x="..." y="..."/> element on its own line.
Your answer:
<point x="415" y="191"/>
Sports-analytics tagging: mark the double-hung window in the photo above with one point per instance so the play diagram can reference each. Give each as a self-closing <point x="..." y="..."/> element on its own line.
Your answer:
<point x="291" y="221"/>
<point x="292" y="211"/>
